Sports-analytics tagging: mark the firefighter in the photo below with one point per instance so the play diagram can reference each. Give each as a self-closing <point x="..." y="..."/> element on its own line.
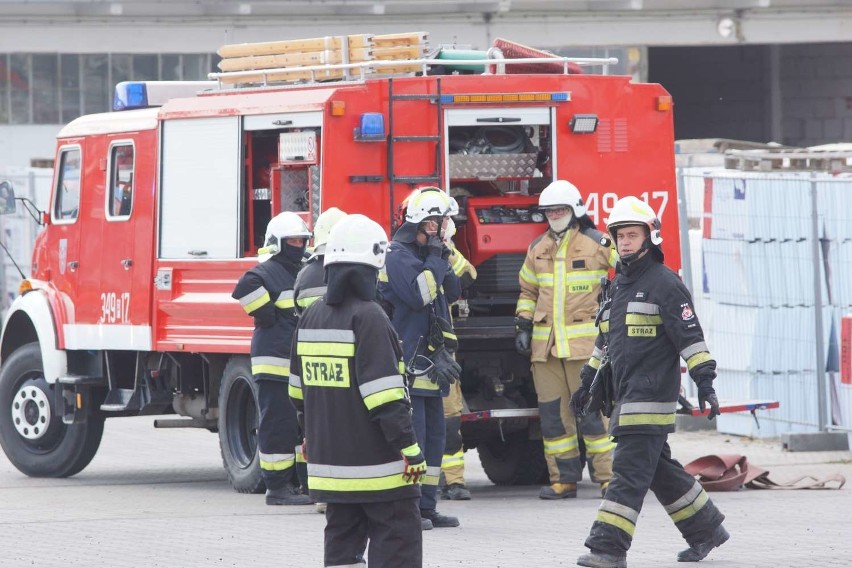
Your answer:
<point x="452" y="463"/>
<point x="649" y="324"/>
<point x="266" y="294"/>
<point x="351" y="397"/>
<point x="555" y="326"/>
<point x="310" y="283"/>
<point x="419" y="285"/>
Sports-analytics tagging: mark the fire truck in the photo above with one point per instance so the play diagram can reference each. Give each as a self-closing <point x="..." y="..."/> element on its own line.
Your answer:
<point x="158" y="208"/>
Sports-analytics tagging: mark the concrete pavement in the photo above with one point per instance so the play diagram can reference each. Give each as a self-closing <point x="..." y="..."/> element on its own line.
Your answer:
<point x="159" y="498"/>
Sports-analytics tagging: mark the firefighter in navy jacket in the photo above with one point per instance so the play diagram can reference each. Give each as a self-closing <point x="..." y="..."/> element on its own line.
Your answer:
<point x="266" y="294"/>
<point x="648" y="326"/>
<point x="310" y="283"/>
<point x="420" y="285"/>
<point x="348" y="386"/>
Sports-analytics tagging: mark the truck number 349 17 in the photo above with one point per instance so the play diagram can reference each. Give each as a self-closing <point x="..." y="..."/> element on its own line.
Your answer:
<point x="115" y="307"/>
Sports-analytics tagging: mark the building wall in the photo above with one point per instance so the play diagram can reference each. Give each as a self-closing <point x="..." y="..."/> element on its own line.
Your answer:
<point x="816" y="83"/>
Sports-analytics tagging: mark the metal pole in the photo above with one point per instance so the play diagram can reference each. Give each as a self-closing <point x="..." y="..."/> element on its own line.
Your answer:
<point x="683" y="227"/>
<point x="816" y="249"/>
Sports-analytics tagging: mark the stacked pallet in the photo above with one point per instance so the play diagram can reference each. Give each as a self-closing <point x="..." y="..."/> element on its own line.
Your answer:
<point x="290" y="57"/>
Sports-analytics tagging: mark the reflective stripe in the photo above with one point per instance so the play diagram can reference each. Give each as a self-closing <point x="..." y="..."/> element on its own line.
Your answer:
<point x="270" y="366"/>
<point x="604" y="328"/>
<point x="347" y="484"/>
<point x="541" y="332"/>
<point x="384" y="383"/>
<point x="605" y="314"/>
<point x="285" y="300"/>
<point x="646" y="420"/>
<point x="422" y="383"/>
<point x="432" y="476"/>
<point x="613" y="258"/>
<point x="584" y="282"/>
<point x="600" y="446"/>
<point x="693" y="349"/>
<point x="685" y="499"/>
<point x="642" y="319"/>
<point x="691" y="509"/>
<point x="595" y="363"/>
<point x="325" y="349"/>
<point x="452" y="460"/>
<point x="427" y="287"/>
<point x="459" y="264"/>
<point x="643" y="308"/>
<point x="597" y="353"/>
<point x="356" y="471"/>
<point x="581" y="330"/>
<point x="295" y="380"/>
<point x="376" y="400"/>
<point x="616" y="521"/>
<point x="525" y="305"/>
<point x="295" y="392"/>
<point x="333" y="335"/>
<point x="631" y="515"/>
<point x="560" y="445"/>
<point x="253" y="300"/>
<point x="697" y="359"/>
<point x="411" y="450"/>
<point x="528" y="275"/>
<point x="545" y="280"/>
<point x="276" y="462"/>
<point x="356" y="565"/>
<point x="654" y="407"/>
<point x="310" y="295"/>
<point x="383" y="275"/>
<point x="300" y="456"/>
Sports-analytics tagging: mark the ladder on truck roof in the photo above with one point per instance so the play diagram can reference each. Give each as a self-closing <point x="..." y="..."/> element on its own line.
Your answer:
<point x="393" y="140"/>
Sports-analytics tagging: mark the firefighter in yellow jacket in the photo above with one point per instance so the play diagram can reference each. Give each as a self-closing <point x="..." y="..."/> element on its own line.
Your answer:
<point x="555" y="325"/>
<point x="452" y="462"/>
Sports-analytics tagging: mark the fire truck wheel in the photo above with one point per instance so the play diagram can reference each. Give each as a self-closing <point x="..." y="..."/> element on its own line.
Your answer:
<point x="517" y="461"/>
<point x="238" y="419"/>
<point x="31" y="430"/>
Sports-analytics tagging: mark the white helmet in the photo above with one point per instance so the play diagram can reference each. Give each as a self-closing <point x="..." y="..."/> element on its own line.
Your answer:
<point x="633" y="211"/>
<point x="327" y="219"/>
<point x="561" y="193"/>
<point x="454" y="207"/>
<point x="427" y="202"/>
<point x="449" y="230"/>
<point x="357" y="240"/>
<point x="286" y="225"/>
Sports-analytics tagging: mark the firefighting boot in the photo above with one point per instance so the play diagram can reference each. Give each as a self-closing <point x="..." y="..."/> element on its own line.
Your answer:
<point x="287" y="495"/>
<point x="700" y="550"/>
<point x="558" y="491"/>
<point x="426" y="524"/>
<point x="438" y="520"/>
<point x="597" y="559"/>
<point x="321" y="507"/>
<point x="455" y="492"/>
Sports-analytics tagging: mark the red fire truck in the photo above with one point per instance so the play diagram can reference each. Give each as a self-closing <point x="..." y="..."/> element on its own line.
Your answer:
<point x="158" y="207"/>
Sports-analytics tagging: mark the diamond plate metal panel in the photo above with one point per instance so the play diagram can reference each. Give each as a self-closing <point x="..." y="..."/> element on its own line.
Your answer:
<point x="492" y="166"/>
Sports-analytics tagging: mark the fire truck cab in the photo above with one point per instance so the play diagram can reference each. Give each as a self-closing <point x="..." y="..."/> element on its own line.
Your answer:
<point x="160" y="206"/>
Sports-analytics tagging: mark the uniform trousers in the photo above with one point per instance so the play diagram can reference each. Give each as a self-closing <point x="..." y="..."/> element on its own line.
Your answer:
<point x="391" y="527"/>
<point x="277" y="432"/>
<point x="428" y="418"/>
<point x="555" y="381"/>
<point x="642" y="462"/>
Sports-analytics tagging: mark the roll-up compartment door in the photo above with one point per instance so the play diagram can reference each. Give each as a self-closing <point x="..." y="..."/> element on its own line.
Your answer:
<point x="200" y="189"/>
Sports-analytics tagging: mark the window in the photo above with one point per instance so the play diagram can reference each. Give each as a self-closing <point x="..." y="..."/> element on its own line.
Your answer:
<point x="68" y="185"/>
<point x="120" y="195"/>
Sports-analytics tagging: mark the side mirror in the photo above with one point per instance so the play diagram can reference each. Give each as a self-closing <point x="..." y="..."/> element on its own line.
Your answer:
<point x="7" y="198"/>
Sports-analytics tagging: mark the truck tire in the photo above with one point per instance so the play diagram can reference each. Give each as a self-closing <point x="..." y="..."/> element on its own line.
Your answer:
<point x="517" y="461"/>
<point x="238" y="420"/>
<point x="32" y="433"/>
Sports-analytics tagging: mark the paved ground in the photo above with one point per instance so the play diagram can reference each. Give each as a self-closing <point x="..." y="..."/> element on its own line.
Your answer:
<point x="158" y="498"/>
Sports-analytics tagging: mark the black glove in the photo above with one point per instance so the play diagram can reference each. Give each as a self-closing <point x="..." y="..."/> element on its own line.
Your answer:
<point x="435" y="246"/>
<point x="587" y="376"/>
<point x="445" y="370"/>
<point x="446" y="252"/>
<point x="707" y="394"/>
<point x="523" y="335"/>
<point x="579" y="401"/>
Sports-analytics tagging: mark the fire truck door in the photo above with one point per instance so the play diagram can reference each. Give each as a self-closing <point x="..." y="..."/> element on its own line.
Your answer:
<point x="64" y="248"/>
